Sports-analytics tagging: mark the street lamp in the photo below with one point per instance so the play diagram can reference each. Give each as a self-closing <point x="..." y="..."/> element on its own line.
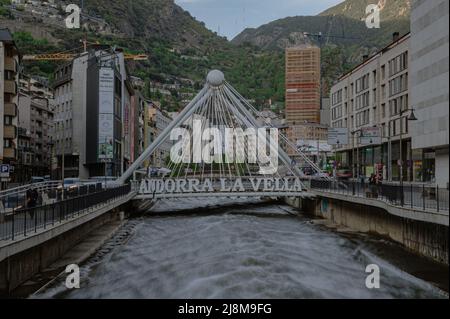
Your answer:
<point x="410" y="118"/>
<point x="355" y="174"/>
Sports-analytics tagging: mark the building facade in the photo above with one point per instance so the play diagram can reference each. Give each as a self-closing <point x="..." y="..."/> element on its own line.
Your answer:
<point x="9" y="92"/>
<point x="35" y="147"/>
<point x="429" y="74"/>
<point x="89" y="113"/>
<point x="303" y="79"/>
<point x="158" y="120"/>
<point x="374" y="97"/>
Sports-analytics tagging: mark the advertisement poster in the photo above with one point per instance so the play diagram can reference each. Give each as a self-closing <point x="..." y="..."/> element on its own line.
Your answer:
<point x="106" y="114"/>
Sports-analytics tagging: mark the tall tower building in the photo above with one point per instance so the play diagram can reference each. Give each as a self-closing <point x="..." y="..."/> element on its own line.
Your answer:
<point x="303" y="84"/>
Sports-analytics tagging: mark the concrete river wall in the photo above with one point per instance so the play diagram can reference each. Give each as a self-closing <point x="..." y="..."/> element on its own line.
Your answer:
<point x="427" y="238"/>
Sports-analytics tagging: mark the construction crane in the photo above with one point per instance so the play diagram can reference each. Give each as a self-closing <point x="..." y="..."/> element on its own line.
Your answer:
<point x="70" y="56"/>
<point x="67" y="55"/>
<point x="321" y="38"/>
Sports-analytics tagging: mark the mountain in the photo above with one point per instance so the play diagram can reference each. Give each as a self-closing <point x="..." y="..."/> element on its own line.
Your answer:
<point x="337" y="30"/>
<point x="342" y="25"/>
<point x="345" y="38"/>
<point x="181" y="48"/>
<point x="355" y="9"/>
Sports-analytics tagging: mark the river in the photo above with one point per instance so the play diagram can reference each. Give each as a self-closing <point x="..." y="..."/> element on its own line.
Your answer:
<point x="246" y="251"/>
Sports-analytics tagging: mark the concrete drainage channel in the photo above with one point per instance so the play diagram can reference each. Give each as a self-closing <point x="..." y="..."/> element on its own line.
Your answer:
<point x="120" y="238"/>
<point x="53" y="279"/>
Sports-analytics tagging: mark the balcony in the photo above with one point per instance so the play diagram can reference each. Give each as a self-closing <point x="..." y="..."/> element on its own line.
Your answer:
<point x="10" y="87"/>
<point x="10" y="132"/>
<point x="9" y="153"/>
<point x="11" y="109"/>
<point x="10" y="64"/>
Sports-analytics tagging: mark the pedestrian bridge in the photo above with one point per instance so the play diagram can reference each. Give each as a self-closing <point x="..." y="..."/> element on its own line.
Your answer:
<point x="154" y="189"/>
<point x="222" y="146"/>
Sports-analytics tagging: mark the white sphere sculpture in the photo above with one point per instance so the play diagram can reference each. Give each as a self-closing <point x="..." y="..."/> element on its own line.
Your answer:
<point x="215" y="78"/>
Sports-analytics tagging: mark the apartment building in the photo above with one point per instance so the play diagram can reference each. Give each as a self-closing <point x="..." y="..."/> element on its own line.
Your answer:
<point x="158" y="120"/>
<point x="303" y="84"/>
<point x="89" y="113"/>
<point x="35" y="147"/>
<point x="9" y="89"/>
<point x="429" y="74"/>
<point x="375" y="95"/>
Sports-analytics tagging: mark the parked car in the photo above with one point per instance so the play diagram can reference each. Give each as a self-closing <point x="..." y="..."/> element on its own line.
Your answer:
<point x="308" y="171"/>
<point x="344" y="174"/>
<point x="107" y="182"/>
<point x="70" y="186"/>
<point x="322" y="175"/>
<point x="153" y="172"/>
<point x="164" y="172"/>
<point x="37" y="179"/>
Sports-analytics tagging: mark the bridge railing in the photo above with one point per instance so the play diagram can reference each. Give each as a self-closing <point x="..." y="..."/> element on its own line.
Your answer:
<point x="24" y="222"/>
<point x="48" y="192"/>
<point x="414" y="196"/>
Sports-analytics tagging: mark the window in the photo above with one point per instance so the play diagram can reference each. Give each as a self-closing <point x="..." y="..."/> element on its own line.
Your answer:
<point x="9" y="75"/>
<point x="362" y="83"/>
<point x="398" y="64"/>
<point x="7" y="143"/>
<point x="336" y="98"/>
<point x="8" y="120"/>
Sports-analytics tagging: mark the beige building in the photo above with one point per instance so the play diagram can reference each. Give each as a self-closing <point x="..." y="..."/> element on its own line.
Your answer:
<point x="303" y="84"/>
<point x="375" y="95"/>
<point x="9" y="80"/>
<point x="157" y="121"/>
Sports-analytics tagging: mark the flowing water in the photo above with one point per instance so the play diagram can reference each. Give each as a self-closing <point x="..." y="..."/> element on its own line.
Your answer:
<point x="245" y="251"/>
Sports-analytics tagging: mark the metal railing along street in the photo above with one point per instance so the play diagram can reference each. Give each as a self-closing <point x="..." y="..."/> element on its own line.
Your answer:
<point x="417" y="197"/>
<point x="16" y="198"/>
<point x="23" y="222"/>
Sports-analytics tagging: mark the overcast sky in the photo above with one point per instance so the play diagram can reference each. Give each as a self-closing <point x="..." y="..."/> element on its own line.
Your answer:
<point x="233" y="16"/>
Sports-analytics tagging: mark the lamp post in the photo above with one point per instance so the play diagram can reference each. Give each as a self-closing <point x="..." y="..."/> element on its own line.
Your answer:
<point x="355" y="174"/>
<point x="411" y="117"/>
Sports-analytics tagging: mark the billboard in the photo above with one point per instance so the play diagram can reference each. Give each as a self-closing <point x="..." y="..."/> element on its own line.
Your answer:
<point x="106" y="114"/>
<point x="370" y="136"/>
<point x="338" y="136"/>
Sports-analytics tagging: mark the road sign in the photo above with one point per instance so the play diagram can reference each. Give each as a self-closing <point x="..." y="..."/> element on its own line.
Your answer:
<point x="370" y="132"/>
<point x="4" y="171"/>
<point x="370" y="136"/>
<point x="370" y="140"/>
<point x="338" y="136"/>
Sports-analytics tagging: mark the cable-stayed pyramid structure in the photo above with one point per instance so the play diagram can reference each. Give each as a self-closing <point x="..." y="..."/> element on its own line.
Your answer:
<point x="217" y="110"/>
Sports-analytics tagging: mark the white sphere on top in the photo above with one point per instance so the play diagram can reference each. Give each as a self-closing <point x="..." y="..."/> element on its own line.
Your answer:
<point x="215" y="78"/>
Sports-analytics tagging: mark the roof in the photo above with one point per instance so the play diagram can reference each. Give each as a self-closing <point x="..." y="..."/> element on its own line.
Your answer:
<point x="371" y="58"/>
<point x="6" y="36"/>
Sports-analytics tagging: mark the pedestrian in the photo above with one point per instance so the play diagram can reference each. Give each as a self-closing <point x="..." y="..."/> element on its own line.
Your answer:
<point x="373" y="186"/>
<point x="30" y="198"/>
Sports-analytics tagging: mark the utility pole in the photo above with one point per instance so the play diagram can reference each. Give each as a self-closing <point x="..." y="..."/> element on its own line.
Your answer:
<point x="63" y="155"/>
<point x="357" y="174"/>
<point x="411" y="117"/>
